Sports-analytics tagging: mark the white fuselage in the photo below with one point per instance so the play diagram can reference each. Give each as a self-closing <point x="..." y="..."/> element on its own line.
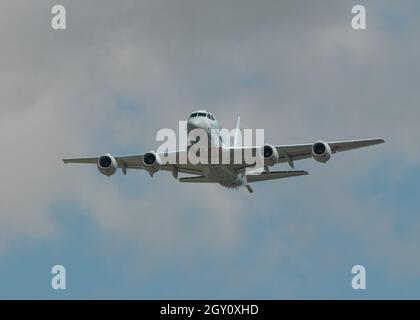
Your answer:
<point x="224" y="174"/>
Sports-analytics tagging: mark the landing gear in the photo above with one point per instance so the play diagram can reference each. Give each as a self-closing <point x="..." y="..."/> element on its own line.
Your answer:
<point x="250" y="190"/>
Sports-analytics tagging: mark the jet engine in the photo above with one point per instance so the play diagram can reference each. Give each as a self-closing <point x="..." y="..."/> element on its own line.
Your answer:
<point x="151" y="162"/>
<point x="270" y="154"/>
<point x="321" y="151"/>
<point x="107" y="165"/>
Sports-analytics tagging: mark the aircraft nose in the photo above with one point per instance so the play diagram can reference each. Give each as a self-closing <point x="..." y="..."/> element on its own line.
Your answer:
<point x="195" y="123"/>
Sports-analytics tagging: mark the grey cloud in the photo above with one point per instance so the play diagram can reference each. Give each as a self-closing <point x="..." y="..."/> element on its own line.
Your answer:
<point x="293" y="68"/>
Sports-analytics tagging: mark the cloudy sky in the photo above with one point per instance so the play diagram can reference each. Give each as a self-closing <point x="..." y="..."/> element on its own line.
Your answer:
<point x="121" y="71"/>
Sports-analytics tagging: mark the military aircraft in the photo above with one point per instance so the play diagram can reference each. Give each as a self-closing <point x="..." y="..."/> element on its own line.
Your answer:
<point x="232" y="173"/>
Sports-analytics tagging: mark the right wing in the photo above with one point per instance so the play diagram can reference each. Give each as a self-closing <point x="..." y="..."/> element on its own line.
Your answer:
<point x="135" y="161"/>
<point x="81" y="160"/>
<point x="128" y="161"/>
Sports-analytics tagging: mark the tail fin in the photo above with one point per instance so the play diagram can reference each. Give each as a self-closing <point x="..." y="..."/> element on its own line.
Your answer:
<point x="238" y="139"/>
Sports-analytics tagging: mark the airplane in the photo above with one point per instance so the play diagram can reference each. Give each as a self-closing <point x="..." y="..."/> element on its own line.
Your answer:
<point x="231" y="174"/>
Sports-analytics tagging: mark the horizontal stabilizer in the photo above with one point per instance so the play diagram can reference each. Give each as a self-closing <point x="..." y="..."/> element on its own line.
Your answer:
<point x="275" y="175"/>
<point x="194" y="179"/>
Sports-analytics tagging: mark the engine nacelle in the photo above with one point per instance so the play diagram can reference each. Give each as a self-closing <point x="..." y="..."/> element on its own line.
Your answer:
<point x="151" y="162"/>
<point x="270" y="155"/>
<point x="321" y="151"/>
<point x="107" y="165"/>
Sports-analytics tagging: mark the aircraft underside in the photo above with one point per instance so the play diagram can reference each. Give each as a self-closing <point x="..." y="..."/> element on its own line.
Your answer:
<point x="230" y="174"/>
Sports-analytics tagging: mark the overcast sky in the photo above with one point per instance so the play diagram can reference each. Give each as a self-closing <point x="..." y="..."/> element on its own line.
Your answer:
<point x="121" y="71"/>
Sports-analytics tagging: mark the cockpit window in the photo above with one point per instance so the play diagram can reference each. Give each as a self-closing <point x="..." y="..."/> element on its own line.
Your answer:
<point x="212" y="118"/>
<point x="193" y="115"/>
<point x="209" y="116"/>
<point x="201" y="114"/>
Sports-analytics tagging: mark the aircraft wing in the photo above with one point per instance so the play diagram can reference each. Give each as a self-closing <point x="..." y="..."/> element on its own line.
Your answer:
<point x="81" y="160"/>
<point x="135" y="161"/>
<point x="129" y="161"/>
<point x="289" y="153"/>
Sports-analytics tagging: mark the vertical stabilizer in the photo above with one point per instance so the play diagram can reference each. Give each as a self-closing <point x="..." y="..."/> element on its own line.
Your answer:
<point x="237" y="142"/>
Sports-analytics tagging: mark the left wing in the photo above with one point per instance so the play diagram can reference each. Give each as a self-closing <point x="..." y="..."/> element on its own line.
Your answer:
<point x="290" y="153"/>
<point x="304" y="151"/>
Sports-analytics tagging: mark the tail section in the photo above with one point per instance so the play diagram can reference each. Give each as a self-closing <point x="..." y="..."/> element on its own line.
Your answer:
<point x="237" y="142"/>
<point x="195" y="179"/>
<point x="275" y="175"/>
